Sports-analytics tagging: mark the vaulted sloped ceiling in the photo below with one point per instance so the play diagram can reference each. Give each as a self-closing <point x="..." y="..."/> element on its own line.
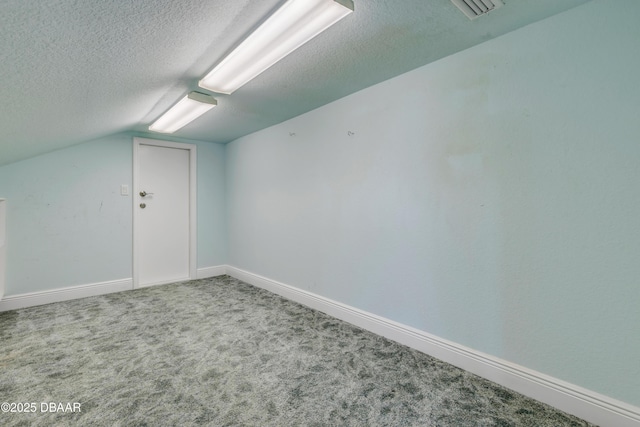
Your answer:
<point x="76" y="70"/>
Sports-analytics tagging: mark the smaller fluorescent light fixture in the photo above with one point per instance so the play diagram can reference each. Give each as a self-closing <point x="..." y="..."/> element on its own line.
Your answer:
<point x="184" y="112"/>
<point x="291" y="26"/>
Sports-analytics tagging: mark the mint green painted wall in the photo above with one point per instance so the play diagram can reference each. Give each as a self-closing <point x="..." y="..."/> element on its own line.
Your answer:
<point x="491" y="198"/>
<point x="212" y="221"/>
<point x="68" y="224"/>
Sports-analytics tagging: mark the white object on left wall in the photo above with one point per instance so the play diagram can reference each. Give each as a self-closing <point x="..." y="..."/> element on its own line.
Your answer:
<point x="3" y="245"/>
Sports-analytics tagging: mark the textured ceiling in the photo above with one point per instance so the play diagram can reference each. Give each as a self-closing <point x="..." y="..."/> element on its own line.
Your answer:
<point x="76" y="70"/>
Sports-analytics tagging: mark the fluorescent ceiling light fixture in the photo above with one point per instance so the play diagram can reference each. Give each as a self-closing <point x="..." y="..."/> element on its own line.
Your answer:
<point x="291" y="26"/>
<point x="184" y="112"/>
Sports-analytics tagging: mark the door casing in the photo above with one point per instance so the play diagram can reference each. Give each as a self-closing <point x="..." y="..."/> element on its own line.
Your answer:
<point x="137" y="142"/>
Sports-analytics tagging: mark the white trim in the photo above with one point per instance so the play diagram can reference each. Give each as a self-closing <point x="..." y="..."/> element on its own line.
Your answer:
<point x="31" y="299"/>
<point x="586" y="404"/>
<point x="218" y="270"/>
<point x="193" y="197"/>
<point x="14" y="302"/>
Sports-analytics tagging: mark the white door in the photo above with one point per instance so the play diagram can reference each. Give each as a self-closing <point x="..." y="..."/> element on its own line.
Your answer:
<point x="164" y="212"/>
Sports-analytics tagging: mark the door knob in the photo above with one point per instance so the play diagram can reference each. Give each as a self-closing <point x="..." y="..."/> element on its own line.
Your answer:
<point x="143" y="205"/>
<point x="144" y="193"/>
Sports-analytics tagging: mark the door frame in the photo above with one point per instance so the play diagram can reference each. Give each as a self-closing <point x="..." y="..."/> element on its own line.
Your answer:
<point x="137" y="142"/>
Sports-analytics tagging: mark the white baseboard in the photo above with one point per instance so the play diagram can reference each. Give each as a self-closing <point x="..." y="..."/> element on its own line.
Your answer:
<point x="583" y="403"/>
<point x="14" y="302"/>
<point x="218" y="270"/>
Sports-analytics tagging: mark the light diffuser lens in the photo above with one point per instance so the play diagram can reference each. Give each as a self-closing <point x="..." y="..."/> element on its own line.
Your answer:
<point x="291" y="26"/>
<point x="185" y="111"/>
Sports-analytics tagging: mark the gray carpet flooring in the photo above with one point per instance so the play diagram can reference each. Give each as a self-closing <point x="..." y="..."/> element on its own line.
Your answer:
<point x="220" y="352"/>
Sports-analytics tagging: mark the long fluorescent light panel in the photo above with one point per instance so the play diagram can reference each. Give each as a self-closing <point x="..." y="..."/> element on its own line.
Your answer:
<point x="184" y="112"/>
<point x="291" y="26"/>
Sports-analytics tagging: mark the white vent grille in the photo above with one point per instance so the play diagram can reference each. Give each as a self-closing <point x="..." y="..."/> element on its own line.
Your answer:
<point x="476" y="8"/>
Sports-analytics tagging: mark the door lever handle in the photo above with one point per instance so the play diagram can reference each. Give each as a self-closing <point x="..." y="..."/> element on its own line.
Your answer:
<point x="144" y="193"/>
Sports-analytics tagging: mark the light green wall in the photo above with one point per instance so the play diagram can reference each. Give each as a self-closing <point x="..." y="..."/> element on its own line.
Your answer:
<point x="212" y="221"/>
<point x="68" y="224"/>
<point x="490" y="198"/>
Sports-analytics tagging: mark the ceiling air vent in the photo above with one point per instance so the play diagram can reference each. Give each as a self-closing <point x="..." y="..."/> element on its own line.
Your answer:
<point x="476" y="8"/>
